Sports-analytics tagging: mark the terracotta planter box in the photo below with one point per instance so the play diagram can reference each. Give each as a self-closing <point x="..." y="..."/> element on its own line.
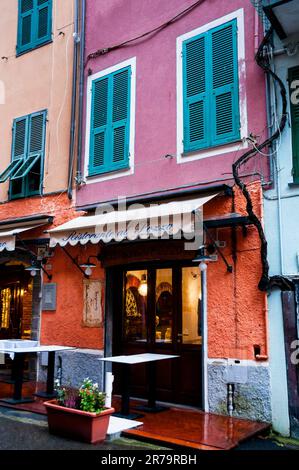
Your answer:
<point x="77" y="424"/>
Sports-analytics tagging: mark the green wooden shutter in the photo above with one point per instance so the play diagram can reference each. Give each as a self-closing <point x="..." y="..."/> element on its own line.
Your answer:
<point x="294" y="75"/>
<point x="98" y="126"/>
<point x="225" y="87"/>
<point x="120" y="118"/>
<point x="43" y="20"/>
<point x="19" y="139"/>
<point x="195" y="96"/>
<point x="34" y="24"/>
<point x="36" y="133"/>
<point x="211" y="89"/>
<point x="110" y="116"/>
<point x="28" y="148"/>
<point x="25" y="24"/>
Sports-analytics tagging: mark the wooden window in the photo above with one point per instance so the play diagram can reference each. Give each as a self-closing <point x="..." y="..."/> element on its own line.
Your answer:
<point x="211" y="89"/>
<point x="34" y="24"/>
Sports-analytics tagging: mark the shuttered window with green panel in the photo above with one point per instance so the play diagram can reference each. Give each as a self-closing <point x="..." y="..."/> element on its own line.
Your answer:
<point x="110" y="123"/>
<point x="34" y="24"/>
<point x="294" y="94"/>
<point x="211" y="88"/>
<point x="25" y="171"/>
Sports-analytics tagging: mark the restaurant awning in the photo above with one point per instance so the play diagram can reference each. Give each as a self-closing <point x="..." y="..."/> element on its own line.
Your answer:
<point x="10" y="229"/>
<point x="136" y="222"/>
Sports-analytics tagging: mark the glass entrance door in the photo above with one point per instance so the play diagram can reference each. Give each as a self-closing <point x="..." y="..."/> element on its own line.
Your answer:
<point x="161" y="314"/>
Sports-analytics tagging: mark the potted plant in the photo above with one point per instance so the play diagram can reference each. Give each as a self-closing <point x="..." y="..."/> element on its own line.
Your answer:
<point x="79" y="413"/>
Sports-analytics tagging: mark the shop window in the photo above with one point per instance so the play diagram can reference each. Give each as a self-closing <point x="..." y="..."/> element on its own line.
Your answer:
<point x="34" y="24"/>
<point x="191" y="306"/>
<point x="135" y="321"/>
<point x="293" y="77"/>
<point x="5" y="307"/>
<point x="211" y="88"/>
<point x="110" y="123"/>
<point x="164" y="306"/>
<point x="28" y="144"/>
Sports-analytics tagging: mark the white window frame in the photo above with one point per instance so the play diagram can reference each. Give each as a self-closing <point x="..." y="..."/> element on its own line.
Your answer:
<point x="128" y="171"/>
<point x="231" y="147"/>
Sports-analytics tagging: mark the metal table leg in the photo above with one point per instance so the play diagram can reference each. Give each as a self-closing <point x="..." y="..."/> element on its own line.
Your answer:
<point x="151" y="406"/>
<point x="49" y="393"/>
<point x="18" y="369"/>
<point x="125" y="397"/>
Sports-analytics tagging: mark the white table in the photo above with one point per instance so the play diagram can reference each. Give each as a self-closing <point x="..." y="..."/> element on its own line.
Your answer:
<point x="132" y="359"/>
<point x="18" y="365"/>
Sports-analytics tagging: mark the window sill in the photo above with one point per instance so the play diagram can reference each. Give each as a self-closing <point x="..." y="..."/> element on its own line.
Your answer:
<point x="107" y="173"/>
<point x="293" y="185"/>
<point x="30" y="49"/>
<point x="236" y="145"/>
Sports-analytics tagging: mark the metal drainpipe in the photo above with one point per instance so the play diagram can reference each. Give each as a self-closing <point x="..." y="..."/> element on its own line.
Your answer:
<point x="81" y="92"/>
<point x="74" y="100"/>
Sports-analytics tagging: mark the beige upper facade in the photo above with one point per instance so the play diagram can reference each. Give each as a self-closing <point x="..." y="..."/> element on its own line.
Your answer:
<point x="39" y="79"/>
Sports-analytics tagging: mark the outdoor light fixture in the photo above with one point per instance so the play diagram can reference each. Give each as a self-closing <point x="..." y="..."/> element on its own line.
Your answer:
<point x="88" y="266"/>
<point x="142" y="289"/>
<point x="202" y="259"/>
<point x="35" y="268"/>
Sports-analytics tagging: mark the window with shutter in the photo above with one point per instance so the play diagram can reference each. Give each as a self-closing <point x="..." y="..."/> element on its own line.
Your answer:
<point x="294" y="76"/>
<point x="211" y="89"/>
<point x="34" y="24"/>
<point x="110" y="122"/>
<point x="25" y="171"/>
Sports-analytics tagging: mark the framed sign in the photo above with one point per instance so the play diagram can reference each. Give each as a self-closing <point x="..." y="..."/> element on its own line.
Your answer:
<point x="92" y="305"/>
<point x="49" y="297"/>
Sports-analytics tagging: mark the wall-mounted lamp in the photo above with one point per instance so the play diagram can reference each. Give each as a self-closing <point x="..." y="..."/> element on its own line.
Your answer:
<point x="142" y="289"/>
<point x="89" y="266"/>
<point x="202" y="259"/>
<point x="35" y="268"/>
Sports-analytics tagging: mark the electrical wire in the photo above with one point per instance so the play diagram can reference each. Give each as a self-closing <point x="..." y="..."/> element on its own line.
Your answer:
<point x="266" y="283"/>
<point x="102" y="51"/>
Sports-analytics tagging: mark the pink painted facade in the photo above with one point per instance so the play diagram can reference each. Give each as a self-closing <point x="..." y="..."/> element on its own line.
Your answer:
<point x="156" y="118"/>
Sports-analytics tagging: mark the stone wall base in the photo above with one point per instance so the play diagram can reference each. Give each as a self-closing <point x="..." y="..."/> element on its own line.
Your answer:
<point x="76" y="366"/>
<point x="252" y="400"/>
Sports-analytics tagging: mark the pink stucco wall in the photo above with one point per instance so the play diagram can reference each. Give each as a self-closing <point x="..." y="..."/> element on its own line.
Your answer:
<point x="110" y="23"/>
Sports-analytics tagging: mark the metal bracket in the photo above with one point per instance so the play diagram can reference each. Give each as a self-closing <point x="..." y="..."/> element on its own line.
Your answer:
<point x="228" y="266"/>
<point x="34" y="255"/>
<point x="74" y="262"/>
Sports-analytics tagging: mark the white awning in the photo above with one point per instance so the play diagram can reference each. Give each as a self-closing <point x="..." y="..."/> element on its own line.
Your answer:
<point x="137" y="222"/>
<point x="8" y="238"/>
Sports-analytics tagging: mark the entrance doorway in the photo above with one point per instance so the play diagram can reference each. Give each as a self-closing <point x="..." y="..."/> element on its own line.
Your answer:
<point x="157" y="308"/>
<point x="15" y="303"/>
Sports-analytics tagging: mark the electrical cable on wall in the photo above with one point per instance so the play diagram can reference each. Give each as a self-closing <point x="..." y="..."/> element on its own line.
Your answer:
<point x="266" y="283"/>
<point x="99" y="52"/>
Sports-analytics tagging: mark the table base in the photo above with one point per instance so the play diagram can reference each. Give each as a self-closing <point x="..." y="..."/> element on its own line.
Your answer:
<point x="129" y="416"/>
<point x="13" y="401"/>
<point x="151" y="409"/>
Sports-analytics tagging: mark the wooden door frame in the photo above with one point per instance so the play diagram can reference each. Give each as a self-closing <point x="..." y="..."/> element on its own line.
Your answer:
<point x="115" y="273"/>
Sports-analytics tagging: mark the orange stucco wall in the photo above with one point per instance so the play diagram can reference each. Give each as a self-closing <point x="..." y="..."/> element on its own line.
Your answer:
<point x="57" y="205"/>
<point x="65" y="325"/>
<point x="237" y="310"/>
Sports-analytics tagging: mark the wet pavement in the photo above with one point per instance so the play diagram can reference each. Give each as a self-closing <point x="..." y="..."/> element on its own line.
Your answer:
<point x="29" y="431"/>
